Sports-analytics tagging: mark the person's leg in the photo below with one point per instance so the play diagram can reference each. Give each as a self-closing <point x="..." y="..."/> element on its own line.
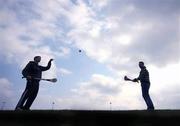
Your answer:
<point x="23" y="98"/>
<point x="32" y="97"/>
<point x="145" y="94"/>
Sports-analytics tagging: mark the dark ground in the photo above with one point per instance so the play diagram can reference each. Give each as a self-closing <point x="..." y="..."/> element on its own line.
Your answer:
<point x="90" y="118"/>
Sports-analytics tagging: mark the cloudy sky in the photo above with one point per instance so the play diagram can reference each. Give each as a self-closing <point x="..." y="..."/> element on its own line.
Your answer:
<point x="113" y="36"/>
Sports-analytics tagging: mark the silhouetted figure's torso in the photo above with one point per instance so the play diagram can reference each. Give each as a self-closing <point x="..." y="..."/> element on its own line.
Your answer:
<point x="34" y="70"/>
<point x="144" y="76"/>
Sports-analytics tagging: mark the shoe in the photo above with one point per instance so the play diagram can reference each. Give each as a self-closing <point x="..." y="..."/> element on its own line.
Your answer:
<point x="25" y="108"/>
<point x="150" y="108"/>
<point x="19" y="109"/>
<point x="22" y="108"/>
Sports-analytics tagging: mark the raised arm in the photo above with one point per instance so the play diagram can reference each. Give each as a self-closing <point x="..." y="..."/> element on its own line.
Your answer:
<point x="47" y="67"/>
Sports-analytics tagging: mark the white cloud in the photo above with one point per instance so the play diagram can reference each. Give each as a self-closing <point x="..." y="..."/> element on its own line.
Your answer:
<point x="100" y="90"/>
<point x="80" y="15"/>
<point x="6" y="88"/>
<point x="165" y="77"/>
<point x="98" y="4"/>
<point x="63" y="71"/>
<point x="101" y="84"/>
<point x="123" y="39"/>
<point x="138" y="35"/>
<point x="62" y="52"/>
<point x="6" y="93"/>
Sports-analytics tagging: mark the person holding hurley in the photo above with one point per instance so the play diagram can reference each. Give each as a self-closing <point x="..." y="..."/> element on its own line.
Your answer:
<point x="145" y="85"/>
<point x="30" y="72"/>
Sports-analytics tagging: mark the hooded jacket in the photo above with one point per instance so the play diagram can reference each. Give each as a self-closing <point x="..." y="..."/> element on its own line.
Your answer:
<point x="34" y="70"/>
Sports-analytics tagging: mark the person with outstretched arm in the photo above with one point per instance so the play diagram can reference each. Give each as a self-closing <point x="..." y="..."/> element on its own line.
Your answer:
<point x="145" y="85"/>
<point x="30" y="72"/>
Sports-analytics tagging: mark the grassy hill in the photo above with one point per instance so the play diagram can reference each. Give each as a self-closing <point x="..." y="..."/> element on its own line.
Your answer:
<point x="90" y="118"/>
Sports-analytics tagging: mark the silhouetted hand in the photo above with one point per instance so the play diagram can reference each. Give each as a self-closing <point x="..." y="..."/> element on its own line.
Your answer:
<point x="51" y="60"/>
<point x="135" y="80"/>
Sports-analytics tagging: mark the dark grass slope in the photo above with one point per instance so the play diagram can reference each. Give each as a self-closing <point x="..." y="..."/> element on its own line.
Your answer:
<point x="90" y="118"/>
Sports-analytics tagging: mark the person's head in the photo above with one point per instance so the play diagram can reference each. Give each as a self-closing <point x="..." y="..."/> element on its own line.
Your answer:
<point x="141" y="64"/>
<point x="37" y="59"/>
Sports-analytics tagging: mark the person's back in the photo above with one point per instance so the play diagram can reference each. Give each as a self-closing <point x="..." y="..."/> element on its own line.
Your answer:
<point x="32" y="69"/>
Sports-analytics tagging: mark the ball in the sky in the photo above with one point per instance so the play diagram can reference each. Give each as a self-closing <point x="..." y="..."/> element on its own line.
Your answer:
<point x="79" y="50"/>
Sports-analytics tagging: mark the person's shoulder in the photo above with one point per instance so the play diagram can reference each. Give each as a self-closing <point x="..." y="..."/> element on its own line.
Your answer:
<point x="31" y="63"/>
<point x="145" y="70"/>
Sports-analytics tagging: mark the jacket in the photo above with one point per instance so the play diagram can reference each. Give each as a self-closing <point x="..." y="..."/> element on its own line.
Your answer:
<point x="34" y="70"/>
<point x="144" y="76"/>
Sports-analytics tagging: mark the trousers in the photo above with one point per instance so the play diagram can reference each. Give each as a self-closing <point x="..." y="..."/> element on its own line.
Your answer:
<point x="145" y="93"/>
<point x="29" y="95"/>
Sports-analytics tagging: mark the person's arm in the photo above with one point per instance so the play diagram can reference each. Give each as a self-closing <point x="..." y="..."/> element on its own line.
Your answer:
<point x="138" y="78"/>
<point x="47" y="67"/>
<point x="141" y="76"/>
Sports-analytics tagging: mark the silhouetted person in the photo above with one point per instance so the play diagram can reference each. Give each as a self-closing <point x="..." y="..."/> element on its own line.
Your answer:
<point x="145" y="85"/>
<point x="30" y="72"/>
